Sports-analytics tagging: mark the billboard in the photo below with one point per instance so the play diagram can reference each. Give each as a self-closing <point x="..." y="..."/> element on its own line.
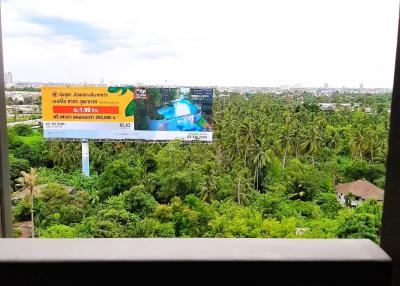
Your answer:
<point x="127" y="113"/>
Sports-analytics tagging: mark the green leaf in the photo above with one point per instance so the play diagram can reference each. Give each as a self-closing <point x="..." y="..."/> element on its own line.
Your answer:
<point x="114" y="89"/>
<point x="124" y="89"/>
<point x="130" y="109"/>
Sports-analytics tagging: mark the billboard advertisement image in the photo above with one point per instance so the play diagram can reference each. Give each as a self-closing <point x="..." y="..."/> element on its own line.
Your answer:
<point x="127" y="113"/>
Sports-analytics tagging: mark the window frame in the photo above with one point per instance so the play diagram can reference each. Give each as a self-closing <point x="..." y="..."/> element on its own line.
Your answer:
<point x="390" y="234"/>
<point x="5" y="186"/>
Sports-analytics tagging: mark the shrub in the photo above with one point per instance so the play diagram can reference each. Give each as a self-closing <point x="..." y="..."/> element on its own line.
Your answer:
<point x="34" y="152"/>
<point x="138" y="201"/>
<point x="21" y="211"/>
<point x="58" y="231"/>
<point x="119" y="216"/>
<point x="54" y="191"/>
<point x="71" y="214"/>
<point x="116" y="178"/>
<point x="16" y="166"/>
<point x="14" y="141"/>
<point x="151" y="228"/>
<point x="105" y="229"/>
<point x="23" y="130"/>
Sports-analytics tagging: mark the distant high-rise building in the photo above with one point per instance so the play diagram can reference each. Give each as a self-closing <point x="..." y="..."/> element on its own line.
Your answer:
<point x="326" y="86"/>
<point x="8" y="78"/>
<point x="361" y="86"/>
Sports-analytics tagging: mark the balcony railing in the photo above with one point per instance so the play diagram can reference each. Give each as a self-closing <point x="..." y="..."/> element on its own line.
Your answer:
<point x="192" y="262"/>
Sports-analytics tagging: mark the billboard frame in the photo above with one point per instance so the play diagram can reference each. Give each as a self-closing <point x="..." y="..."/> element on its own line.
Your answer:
<point x="130" y="87"/>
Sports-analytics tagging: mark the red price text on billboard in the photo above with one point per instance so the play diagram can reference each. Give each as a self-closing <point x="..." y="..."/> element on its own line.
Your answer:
<point x="87" y="109"/>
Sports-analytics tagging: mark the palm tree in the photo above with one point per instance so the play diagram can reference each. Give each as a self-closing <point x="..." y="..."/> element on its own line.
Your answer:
<point x="372" y="142"/>
<point x="321" y="122"/>
<point x="358" y="143"/>
<point x="242" y="187"/>
<point x="218" y="152"/>
<point x="312" y="142"/>
<point x="260" y="158"/>
<point x="100" y="155"/>
<point x="28" y="182"/>
<point x="208" y="188"/>
<point x="94" y="196"/>
<point x="296" y="137"/>
<point x="285" y="143"/>
<point x="234" y="145"/>
<point x="247" y="137"/>
<point x="334" y="139"/>
<point x="349" y="198"/>
<point x="65" y="154"/>
<point x="119" y="146"/>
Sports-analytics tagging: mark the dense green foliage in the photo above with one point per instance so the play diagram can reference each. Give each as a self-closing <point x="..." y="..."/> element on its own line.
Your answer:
<point x="270" y="172"/>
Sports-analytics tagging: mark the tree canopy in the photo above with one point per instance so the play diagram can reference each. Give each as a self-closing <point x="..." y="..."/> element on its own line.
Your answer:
<point x="270" y="172"/>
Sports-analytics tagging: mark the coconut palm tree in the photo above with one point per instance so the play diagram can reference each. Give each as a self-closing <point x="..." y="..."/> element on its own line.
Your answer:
<point x="208" y="190"/>
<point x="285" y="140"/>
<point x="209" y="186"/>
<point x="247" y="136"/>
<point x="335" y="140"/>
<point x="312" y="142"/>
<point x="65" y="154"/>
<point x="242" y="187"/>
<point x="261" y="159"/>
<point x="297" y="132"/>
<point x="358" y="143"/>
<point x="119" y="146"/>
<point x="28" y="183"/>
<point x="373" y="142"/>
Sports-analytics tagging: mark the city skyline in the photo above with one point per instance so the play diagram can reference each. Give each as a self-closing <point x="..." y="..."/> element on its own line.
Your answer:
<point x="102" y="82"/>
<point x="235" y="43"/>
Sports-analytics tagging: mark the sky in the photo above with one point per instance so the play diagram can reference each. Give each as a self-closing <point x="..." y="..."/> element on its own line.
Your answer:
<point x="202" y="42"/>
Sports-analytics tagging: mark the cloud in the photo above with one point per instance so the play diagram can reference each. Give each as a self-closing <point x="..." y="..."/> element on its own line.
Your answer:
<point x="76" y="29"/>
<point x="94" y="39"/>
<point x="235" y="42"/>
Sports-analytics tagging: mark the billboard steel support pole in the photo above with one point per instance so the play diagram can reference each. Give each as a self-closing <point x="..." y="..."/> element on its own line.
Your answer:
<point x="85" y="158"/>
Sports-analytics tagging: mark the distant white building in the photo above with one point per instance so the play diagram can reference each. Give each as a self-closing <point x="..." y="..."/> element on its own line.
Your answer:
<point x="327" y="106"/>
<point x="8" y="80"/>
<point x="368" y="109"/>
<point x="345" y="105"/>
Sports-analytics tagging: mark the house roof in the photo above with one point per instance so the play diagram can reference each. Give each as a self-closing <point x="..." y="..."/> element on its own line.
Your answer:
<point x="361" y="188"/>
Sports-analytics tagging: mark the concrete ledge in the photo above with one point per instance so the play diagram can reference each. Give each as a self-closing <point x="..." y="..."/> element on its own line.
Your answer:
<point x="190" y="249"/>
<point x="192" y="262"/>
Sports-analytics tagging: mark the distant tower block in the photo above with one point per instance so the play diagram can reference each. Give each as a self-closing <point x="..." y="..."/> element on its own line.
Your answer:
<point x="361" y="86"/>
<point x="8" y="78"/>
<point x="326" y="86"/>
